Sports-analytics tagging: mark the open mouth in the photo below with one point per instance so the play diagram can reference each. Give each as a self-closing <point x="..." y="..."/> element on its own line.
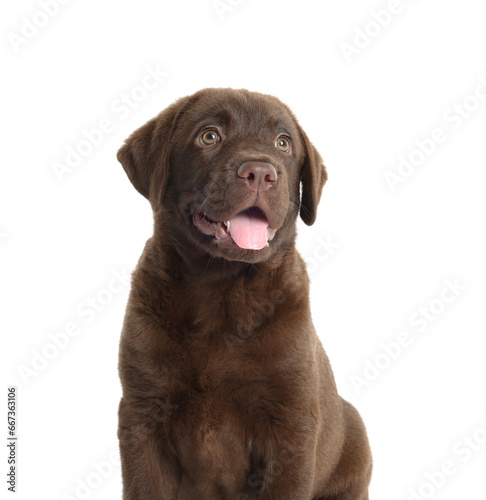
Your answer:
<point x="249" y="229"/>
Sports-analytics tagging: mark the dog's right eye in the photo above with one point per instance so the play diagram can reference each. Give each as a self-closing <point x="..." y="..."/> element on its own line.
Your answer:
<point x="210" y="137"/>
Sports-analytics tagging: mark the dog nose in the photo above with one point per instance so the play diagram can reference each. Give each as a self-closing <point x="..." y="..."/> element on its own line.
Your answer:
<point x="258" y="176"/>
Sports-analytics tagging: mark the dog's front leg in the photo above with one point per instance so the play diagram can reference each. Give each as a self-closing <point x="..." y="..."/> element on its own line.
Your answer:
<point x="148" y="472"/>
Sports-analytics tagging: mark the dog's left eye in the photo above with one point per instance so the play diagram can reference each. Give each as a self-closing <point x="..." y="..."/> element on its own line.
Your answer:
<point x="210" y="137"/>
<point x="283" y="144"/>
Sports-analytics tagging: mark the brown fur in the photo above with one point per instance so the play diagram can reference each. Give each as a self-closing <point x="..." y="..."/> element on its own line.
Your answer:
<point x="227" y="391"/>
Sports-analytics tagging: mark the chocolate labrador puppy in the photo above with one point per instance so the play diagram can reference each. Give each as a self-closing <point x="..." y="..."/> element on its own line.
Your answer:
<point x="227" y="391"/>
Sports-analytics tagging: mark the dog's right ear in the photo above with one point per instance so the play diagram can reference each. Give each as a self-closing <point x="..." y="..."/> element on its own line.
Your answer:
<point x="145" y="154"/>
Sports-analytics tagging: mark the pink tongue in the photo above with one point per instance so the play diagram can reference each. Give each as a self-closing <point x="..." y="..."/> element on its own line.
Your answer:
<point x="249" y="231"/>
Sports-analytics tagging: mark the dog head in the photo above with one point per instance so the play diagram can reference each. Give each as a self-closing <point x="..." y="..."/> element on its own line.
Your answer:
<point x="224" y="169"/>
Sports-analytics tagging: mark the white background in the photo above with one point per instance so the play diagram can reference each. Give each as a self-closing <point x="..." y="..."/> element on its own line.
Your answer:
<point x="63" y="237"/>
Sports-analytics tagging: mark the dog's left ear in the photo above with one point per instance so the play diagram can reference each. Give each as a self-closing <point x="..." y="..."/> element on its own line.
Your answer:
<point x="145" y="154"/>
<point x="313" y="177"/>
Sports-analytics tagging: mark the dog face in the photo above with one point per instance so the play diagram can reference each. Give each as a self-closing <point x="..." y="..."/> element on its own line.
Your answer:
<point x="223" y="168"/>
